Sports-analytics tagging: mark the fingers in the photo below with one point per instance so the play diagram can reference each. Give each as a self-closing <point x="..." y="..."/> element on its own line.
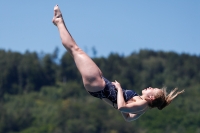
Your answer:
<point x="115" y="82"/>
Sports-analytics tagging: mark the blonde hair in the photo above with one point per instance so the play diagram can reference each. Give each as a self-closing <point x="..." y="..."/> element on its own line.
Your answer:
<point x="163" y="99"/>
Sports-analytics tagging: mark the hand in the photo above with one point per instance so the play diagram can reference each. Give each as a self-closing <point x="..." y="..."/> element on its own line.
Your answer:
<point x="117" y="85"/>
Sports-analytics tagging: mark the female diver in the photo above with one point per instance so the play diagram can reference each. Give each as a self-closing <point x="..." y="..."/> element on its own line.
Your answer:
<point x="129" y="103"/>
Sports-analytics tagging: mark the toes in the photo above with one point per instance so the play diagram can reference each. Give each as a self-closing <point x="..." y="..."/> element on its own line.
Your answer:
<point x="57" y="15"/>
<point x="56" y="7"/>
<point x="57" y="12"/>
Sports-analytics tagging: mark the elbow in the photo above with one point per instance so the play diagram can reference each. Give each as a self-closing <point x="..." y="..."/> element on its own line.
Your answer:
<point x="119" y="108"/>
<point x="122" y="109"/>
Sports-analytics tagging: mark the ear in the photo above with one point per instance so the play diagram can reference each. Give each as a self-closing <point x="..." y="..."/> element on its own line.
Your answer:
<point x="151" y="98"/>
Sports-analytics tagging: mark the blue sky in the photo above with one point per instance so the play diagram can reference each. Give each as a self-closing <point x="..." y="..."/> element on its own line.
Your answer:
<point x="109" y="26"/>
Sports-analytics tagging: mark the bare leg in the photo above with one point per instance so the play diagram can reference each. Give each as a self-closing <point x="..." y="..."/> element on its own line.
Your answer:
<point x="91" y="74"/>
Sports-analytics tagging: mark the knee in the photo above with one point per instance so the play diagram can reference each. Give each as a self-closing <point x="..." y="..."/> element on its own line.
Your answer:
<point x="93" y="84"/>
<point x="73" y="49"/>
<point x="88" y="80"/>
<point x="76" y="50"/>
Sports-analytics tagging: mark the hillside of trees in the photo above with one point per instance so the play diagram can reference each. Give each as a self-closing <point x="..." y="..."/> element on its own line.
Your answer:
<point x="38" y="94"/>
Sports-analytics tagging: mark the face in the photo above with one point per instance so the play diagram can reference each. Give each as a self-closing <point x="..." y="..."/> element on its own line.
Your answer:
<point x="150" y="91"/>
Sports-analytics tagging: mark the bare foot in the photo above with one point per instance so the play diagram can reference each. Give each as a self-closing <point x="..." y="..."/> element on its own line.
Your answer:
<point x="57" y="16"/>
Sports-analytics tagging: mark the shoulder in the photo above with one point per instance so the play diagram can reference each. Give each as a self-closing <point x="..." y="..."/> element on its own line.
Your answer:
<point x="135" y="106"/>
<point x="140" y="103"/>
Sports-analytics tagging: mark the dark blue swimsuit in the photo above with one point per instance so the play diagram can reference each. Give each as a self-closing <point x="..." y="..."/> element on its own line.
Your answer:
<point x="110" y="93"/>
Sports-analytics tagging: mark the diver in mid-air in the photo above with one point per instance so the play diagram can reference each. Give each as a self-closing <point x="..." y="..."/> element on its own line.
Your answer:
<point x="128" y="102"/>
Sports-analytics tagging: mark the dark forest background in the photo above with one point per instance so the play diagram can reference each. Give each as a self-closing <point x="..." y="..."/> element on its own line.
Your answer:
<point x="45" y="94"/>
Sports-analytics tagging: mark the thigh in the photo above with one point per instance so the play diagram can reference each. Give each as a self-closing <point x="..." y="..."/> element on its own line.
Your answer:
<point x="90" y="72"/>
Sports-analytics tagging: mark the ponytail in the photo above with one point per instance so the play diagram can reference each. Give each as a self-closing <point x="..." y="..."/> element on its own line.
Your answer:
<point x="163" y="99"/>
<point x="169" y="97"/>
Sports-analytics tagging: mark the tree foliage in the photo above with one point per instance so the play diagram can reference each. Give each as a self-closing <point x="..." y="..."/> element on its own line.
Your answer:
<point x="40" y="95"/>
